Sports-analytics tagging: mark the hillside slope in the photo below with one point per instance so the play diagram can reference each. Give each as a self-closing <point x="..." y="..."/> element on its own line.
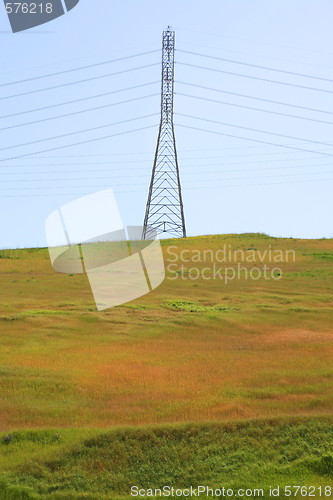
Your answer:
<point x="192" y="350"/>
<point x="243" y="355"/>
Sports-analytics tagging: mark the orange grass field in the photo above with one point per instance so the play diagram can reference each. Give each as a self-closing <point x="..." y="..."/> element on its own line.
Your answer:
<point x="192" y="350"/>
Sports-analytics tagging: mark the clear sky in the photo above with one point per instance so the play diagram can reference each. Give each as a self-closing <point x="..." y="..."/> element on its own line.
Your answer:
<point x="230" y="184"/>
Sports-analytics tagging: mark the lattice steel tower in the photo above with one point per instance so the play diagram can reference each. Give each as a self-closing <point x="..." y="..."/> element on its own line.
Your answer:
<point x="164" y="212"/>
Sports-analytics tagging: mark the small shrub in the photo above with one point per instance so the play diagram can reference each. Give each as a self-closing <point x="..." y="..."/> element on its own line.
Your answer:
<point x="7" y="438"/>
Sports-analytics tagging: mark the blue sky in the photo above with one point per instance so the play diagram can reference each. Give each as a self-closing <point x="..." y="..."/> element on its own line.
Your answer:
<point x="230" y="184"/>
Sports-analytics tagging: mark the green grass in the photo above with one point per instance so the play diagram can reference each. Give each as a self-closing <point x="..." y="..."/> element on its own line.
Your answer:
<point x="67" y="464"/>
<point x="186" y="305"/>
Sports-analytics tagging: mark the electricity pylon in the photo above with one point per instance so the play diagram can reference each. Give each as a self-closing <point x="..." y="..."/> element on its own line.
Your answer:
<point x="164" y="211"/>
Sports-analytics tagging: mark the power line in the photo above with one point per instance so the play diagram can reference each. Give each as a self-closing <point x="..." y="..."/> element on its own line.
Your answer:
<point x="147" y="176"/>
<point x="78" y="112"/>
<point x="79" y="68"/>
<point x="253" y="140"/>
<point x="262" y="146"/>
<point x="238" y="156"/>
<point x="75" y="164"/>
<point x="183" y="168"/>
<point x="154" y="95"/>
<point x="297" y="150"/>
<point x="285" y="160"/>
<point x="251" y="129"/>
<point x="242" y="163"/>
<point x="78" y="81"/>
<point x="266" y="183"/>
<point x="248" y="53"/>
<point x="270" y="101"/>
<point x="122" y="169"/>
<point x="257" y="66"/>
<point x="255" y="109"/>
<point x="256" y="78"/>
<point x="77" y="132"/>
<point x="262" y="176"/>
<point x="77" y="100"/>
<point x="78" y="143"/>
<point x="143" y="184"/>
<point x="65" y="187"/>
<point x="202" y="188"/>
<point x="219" y="35"/>
<point x="190" y="158"/>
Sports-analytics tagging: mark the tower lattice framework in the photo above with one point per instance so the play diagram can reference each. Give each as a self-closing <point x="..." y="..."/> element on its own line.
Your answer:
<point x="164" y="211"/>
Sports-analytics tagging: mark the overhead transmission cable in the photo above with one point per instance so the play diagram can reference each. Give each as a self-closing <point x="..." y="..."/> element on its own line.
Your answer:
<point x="251" y="129"/>
<point x="36" y="91"/>
<point x="184" y="167"/>
<point x="270" y="101"/>
<point x="77" y="132"/>
<point x="257" y="66"/>
<point x="192" y="165"/>
<point x="78" y="100"/>
<point x="185" y="188"/>
<point x="16" y="157"/>
<point x="242" y="147"/>
<point x="255" y="109"/>
<point x="289" y="84"/>
<point x="147" y="175"/>
<point x="89" y="66"/>
<point x="78" y="112"/>
<point x="258" y="141"/>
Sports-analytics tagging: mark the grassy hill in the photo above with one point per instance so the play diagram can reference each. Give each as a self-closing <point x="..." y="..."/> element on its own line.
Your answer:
<point x="203" y="353"/>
